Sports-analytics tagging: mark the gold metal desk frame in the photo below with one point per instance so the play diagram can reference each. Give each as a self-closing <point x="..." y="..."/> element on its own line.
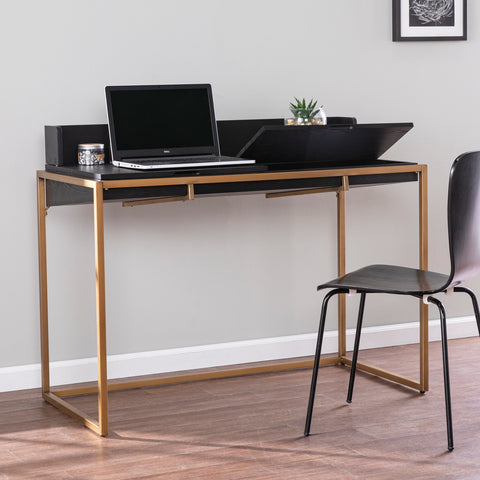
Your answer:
<point x="57" y="396"/>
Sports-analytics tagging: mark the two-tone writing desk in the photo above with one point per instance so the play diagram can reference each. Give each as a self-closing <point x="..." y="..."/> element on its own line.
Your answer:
<point x="69" y="185"/>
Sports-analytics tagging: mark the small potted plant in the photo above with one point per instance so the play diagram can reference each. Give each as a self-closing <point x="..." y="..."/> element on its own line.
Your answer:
<point x="306" y="113"/>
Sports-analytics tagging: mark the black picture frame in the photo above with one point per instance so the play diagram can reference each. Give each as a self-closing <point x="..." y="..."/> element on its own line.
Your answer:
<point x="422" y="20"/>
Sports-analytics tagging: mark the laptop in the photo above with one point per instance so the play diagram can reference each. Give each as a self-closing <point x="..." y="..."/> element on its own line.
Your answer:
<point x="164" y="127"/>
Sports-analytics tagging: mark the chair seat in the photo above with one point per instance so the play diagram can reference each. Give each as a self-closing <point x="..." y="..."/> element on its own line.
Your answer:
<point x="391" y="279"/>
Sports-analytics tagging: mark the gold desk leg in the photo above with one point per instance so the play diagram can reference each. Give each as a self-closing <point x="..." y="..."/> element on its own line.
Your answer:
<point x="422" y="385"/>
<point x="342" y="326"/>
<point x="423" y="254"/>
<point x="102" y="426"/>
<point x="42" y="267"/>
<point x="101" y="327"/>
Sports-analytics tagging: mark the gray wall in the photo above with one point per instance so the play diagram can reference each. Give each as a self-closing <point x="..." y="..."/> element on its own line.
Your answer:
<point x="218" y="269"/>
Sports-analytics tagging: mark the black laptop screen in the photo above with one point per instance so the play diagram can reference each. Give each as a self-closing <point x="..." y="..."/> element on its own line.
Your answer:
<point x="163" y="121"/>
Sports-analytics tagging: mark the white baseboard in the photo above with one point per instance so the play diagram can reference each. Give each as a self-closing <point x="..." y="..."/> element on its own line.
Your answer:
<point x="223" y="354"/>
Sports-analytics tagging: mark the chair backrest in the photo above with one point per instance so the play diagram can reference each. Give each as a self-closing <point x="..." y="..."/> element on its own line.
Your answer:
<point x="464" y="217"/>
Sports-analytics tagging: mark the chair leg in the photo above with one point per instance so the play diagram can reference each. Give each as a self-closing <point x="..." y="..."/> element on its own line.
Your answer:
<point x="355" y="348"/>
<point x="446" y="375"/>
<point x="474" y="302"/>
<point x="316" y="363"/>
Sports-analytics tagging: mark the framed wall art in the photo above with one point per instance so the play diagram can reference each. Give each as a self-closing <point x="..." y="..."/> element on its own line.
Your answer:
<point x="416" y="20"/>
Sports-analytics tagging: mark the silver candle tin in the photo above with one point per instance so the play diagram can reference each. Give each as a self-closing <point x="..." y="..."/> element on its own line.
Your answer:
<point x="91" y="154"/>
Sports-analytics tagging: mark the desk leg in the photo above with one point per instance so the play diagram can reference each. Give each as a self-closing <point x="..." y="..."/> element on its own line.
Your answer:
<point x="42" y="266"/>
<point x="101" y="327"/>
<point x="423" y="254"/>
<point x="342" y="326"/>
<point x="54" y="398"/>
<point x="422" y="384"/>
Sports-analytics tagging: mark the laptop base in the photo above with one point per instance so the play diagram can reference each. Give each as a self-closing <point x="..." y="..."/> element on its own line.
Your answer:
<point x="180" y="162"/>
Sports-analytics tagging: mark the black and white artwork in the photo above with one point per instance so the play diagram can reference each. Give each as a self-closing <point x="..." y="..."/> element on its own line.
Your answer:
<point x="429" y="20"/>
<point x="431" y="13"/>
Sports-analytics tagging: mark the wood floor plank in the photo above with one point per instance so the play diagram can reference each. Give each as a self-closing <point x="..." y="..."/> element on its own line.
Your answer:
<point x="251" y="427"/>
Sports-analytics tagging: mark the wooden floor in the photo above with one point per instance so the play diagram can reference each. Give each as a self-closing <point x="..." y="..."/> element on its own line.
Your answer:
<point x="251" y="428"/>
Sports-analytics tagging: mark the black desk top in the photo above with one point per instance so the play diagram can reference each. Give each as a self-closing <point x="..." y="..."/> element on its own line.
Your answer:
<point x="59" y="193"/>
<point x="110" y="172"/>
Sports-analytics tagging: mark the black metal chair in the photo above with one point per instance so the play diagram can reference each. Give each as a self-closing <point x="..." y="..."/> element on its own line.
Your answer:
<point x="464" y="240"/>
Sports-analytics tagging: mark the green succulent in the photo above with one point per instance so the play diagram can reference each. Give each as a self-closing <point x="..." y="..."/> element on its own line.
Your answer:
<point x="305" y="111"/>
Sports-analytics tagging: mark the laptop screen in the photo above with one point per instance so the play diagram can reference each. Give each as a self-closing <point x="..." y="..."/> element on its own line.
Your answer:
<point x="161" y="120"/>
